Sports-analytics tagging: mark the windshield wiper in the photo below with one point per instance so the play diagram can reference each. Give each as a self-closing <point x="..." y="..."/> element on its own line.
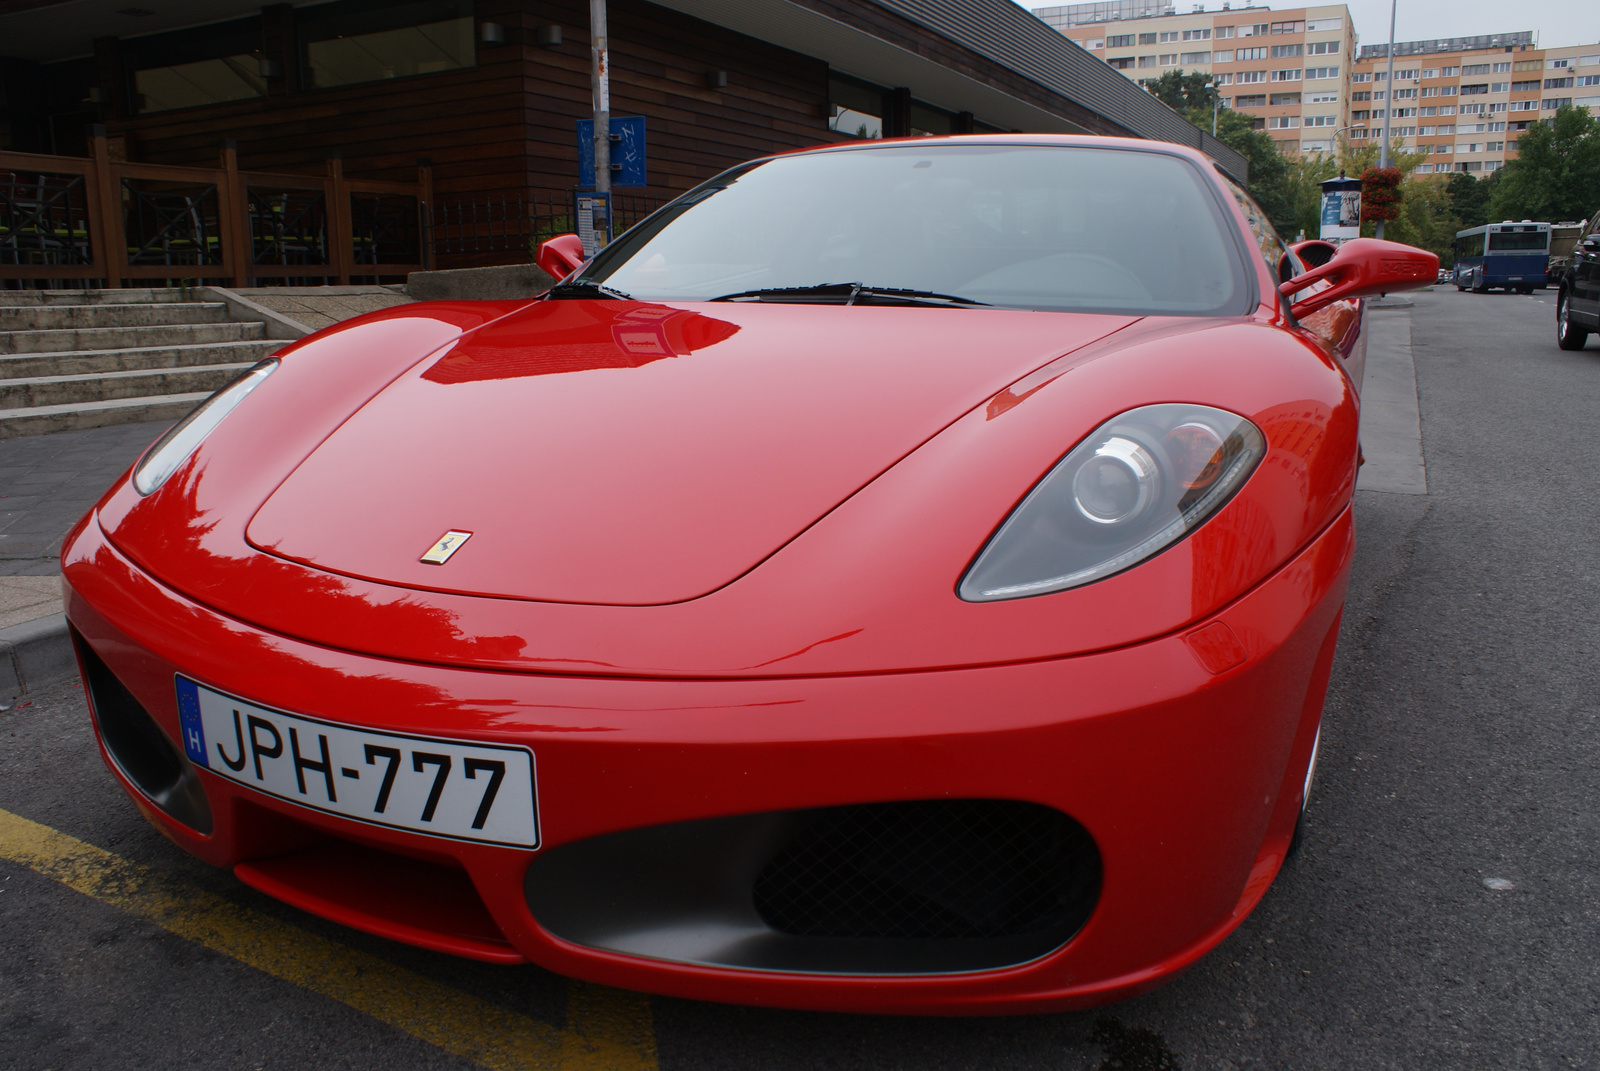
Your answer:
<point x="849" y="294"/>
<point x="566" y="291"/>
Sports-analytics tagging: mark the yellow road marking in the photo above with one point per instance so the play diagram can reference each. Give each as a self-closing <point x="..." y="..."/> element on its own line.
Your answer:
<point x="607" y="1029"/>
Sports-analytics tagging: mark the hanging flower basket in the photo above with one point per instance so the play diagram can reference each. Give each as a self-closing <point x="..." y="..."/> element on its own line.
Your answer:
<point x="1380" y="194"/>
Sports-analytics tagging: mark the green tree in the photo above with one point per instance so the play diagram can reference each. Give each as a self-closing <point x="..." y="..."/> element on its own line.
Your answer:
<point x="1301" y="190"/>
<point x="1556" y="175"/>
<point x="1185" y="93"/>
<point x="1427" y="217"/>
<point x="1193" y="95"/>
<point x="1469" y="199"/>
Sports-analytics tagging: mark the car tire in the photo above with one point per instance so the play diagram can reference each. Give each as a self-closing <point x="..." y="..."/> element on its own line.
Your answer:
<point x="1524" y="289"/>
<point x="1569" y="336"/>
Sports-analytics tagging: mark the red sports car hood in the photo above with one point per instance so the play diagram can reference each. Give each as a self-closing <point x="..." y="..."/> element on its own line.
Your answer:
<point x="628" y="453"/>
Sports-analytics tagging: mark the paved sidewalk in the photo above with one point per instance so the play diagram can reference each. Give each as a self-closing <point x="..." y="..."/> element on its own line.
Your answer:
<point x="47" y="482"/>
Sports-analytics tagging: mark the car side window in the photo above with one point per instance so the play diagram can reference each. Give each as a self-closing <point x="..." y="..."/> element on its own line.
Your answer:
<point x="1267" y="241"/>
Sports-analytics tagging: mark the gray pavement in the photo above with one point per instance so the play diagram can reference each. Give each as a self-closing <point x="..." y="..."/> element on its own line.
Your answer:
<point x="1441" y="914"/>
<point x="47" y="482"/>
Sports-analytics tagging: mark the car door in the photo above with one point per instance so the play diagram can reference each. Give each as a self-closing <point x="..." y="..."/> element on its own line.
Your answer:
<point x="1585" y="292"/>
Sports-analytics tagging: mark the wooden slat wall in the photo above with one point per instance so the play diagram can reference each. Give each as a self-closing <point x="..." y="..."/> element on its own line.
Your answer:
<point x="507" y="126"/>
<point x="467" y="120"/>
<point x="774" y="100"/>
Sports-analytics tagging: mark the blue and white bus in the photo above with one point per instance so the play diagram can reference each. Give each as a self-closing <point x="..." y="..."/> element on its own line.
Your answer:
<point x="1512" y="255"/>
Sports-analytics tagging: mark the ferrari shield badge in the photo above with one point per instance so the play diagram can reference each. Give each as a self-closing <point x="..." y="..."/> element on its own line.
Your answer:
<point x="448" y="544"/>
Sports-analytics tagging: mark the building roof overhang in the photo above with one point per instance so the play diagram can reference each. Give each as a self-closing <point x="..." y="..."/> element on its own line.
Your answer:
<point x="996" y="34"/>
<point x="996" y="31"/>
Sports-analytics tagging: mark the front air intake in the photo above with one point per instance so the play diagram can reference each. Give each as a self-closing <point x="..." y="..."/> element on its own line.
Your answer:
<point x="138" y="746"/>
<point x="912" y="887"/>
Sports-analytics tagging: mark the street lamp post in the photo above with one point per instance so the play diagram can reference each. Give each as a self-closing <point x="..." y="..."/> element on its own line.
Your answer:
<point x="1342" y="129"/>
<point x="600" y="91"/>
<point x="1388" y="101"/>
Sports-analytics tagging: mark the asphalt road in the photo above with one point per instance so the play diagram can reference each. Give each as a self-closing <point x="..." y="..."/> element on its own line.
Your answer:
<point x="1441" y="914"/>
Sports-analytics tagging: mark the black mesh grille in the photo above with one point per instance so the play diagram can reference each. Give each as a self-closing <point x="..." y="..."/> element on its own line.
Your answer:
<point x="932" y="869"/>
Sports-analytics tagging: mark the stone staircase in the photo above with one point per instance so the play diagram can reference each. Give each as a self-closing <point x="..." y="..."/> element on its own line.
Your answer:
<point x="87" y="358"/>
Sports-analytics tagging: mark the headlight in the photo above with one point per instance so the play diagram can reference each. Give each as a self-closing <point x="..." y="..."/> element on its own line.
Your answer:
<point x="184" y="437"/>
<point x="1138" y="484"/>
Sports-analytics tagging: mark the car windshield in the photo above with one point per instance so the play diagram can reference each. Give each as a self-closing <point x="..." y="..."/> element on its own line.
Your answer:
<point x="1029" y="226"/>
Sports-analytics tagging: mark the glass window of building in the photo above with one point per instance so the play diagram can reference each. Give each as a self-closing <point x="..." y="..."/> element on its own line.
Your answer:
<point x="858" y="108"/>
<point x="353" y="41"/>
<point x="930" y="122"/>
<point x="191" y="68"/>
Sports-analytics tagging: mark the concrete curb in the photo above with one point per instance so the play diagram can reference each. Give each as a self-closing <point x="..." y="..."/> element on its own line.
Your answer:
<point x="35" y="654"/>
<point x="241" y="308"/>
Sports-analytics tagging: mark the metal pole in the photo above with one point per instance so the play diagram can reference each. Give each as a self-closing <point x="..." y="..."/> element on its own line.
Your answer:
<point x="600" y="89"/>
<point x="1388" y="100"/>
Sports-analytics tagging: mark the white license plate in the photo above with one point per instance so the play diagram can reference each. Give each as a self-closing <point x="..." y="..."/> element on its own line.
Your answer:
<point x="446" y="788"/>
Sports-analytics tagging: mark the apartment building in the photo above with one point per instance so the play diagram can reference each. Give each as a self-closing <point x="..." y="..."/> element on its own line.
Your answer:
<point x="1466" y="101"/>
<point x="1290" y="70"/>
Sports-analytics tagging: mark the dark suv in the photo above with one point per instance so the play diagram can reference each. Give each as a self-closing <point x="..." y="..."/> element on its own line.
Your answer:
<point x="1578" y="290"/>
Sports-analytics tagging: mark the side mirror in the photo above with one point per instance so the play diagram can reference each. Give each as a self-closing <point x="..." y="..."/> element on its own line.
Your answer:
<point x="1363" y="267"/>
<point x="1591" y="244"/>
<point x="561" y="256"/>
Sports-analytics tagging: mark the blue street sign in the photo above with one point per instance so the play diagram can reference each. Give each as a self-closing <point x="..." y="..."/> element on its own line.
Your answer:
<point x="627" y="151"/>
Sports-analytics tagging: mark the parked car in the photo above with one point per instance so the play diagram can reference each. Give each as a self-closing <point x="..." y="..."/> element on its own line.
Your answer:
<point x="1577" y="283"/>
<point x="899" y="576"/>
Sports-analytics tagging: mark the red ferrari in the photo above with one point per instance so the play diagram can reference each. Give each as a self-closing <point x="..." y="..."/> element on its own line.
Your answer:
<point x="895" y="577"/>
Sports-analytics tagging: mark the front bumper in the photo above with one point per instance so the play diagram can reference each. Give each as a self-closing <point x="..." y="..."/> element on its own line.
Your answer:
<point x="1182" y="757"/>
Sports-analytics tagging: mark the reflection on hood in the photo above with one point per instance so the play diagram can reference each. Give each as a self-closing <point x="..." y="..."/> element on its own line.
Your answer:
<point x="553" y="337"/>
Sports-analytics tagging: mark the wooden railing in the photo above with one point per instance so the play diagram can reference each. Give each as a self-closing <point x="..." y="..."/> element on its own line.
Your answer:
<point x="67" y="218"/>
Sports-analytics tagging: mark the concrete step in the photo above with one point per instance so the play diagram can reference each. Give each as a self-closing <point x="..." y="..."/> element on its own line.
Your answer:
<point x="142" y="295"/>
<point x="46" y="418"/>
<point x="121" y="338"/>
<point x="121" y="314"/>
<point x="83" y="362"/>
<point x="43" y="391"/>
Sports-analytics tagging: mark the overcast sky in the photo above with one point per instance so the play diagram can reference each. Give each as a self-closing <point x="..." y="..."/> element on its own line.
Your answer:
<point x="1553" y="22"/>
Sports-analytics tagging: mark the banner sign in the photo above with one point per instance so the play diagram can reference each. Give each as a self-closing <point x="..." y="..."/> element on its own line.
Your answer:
<point x="1341" y="210"/>
<point x="594" y="221"/>
<point x="627" y="151"/>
